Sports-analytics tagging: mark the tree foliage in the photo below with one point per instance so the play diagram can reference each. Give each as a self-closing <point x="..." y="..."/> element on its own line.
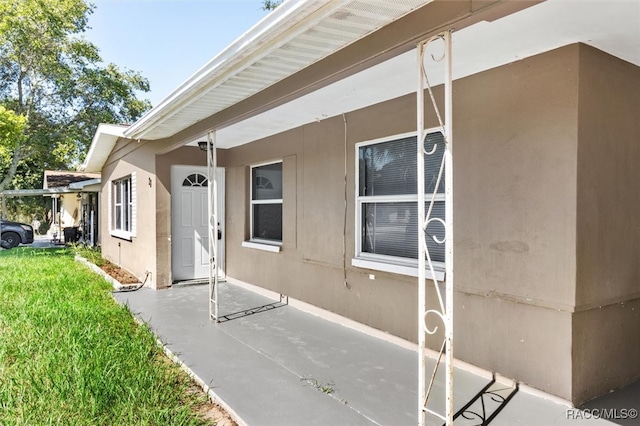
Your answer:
<point x="12" y="128"/>
<point x="56" y="80"/>
<point x="271" y="4"/>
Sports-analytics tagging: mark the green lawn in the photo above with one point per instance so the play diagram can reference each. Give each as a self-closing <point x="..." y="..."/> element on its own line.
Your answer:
<point x="69" y="355"/>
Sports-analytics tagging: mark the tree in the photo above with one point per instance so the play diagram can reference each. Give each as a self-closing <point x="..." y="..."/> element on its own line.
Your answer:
<point x="56" y="80"/>
<point x="12" y="128"/>
<point x="271" y="4"/>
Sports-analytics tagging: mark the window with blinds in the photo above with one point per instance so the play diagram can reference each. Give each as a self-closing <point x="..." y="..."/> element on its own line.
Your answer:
<point x="266" y="203"/>
<point x="387" y="199"/>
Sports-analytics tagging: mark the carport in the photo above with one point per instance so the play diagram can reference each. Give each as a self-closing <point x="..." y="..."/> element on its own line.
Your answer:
<point x="86" y="195"/>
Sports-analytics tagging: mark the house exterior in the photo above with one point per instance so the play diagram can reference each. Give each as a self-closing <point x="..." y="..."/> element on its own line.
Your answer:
<point x="75" y="207"/>
<point x="314" y="113"/>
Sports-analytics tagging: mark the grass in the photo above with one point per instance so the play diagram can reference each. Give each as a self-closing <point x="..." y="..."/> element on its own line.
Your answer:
<point x="327" y="388"/>
<point x="92" y="254"/>
<point x="69" y="355"/>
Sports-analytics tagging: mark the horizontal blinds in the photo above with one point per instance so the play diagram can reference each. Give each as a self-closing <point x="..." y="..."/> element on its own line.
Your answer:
<point x="390" y="168"/>
<point x="391" y="229"/>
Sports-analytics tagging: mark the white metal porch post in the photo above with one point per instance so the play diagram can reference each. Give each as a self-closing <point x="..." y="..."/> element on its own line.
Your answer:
<point x="422" y="301"/>
<point x="444" y="312"/>
<point x="212" y="197"/>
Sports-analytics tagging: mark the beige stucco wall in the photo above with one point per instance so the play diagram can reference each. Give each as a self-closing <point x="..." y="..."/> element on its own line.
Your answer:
<point x="516" y="141"/>
<point x="606" y="352"/>
<point x="138" y="255"/>
<point x="532" y="180"/>
<point x="150" y="249"/>
<point x="515" y="129"/>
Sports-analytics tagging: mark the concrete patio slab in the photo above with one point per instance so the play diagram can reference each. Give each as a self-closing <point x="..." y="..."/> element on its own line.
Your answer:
<point x="283" y="366"/>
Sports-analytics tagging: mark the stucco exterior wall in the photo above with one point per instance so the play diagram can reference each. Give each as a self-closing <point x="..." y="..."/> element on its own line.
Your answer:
<point x="544" y="219"/>
<point x="515" y="146"/>
<point x="515" y="131"/>
<point x="606" y="325"/>
<point x="150" y="249"/>
<point x="137" y="255"/>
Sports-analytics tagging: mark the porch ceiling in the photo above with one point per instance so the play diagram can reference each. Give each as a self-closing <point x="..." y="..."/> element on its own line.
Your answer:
<point x="609" y="25"/>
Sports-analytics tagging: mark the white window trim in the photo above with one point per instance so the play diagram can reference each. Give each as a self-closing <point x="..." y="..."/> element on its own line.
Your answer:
<point x="118" y="233"/>
<point x="266" y="246"/>
<point x="123" y="235"/>
<point x="259" y="243"/>
<point x="376" y="262"/>
<point x="398" y="268"/>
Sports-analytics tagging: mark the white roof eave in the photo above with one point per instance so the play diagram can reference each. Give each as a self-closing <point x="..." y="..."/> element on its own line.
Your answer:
<point x="103" y="142"/>
<point x="260" y="49"/>
<point x="242" y="45"/>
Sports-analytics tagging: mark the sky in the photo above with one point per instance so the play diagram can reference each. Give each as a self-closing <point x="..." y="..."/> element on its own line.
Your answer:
<point x="167" y="41"/>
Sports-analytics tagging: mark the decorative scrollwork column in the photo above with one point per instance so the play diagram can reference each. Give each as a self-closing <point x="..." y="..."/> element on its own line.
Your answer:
<point x="442" y="314"/>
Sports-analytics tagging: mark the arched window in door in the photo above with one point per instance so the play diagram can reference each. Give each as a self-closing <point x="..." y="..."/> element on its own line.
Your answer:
<point x="195" y="179"/>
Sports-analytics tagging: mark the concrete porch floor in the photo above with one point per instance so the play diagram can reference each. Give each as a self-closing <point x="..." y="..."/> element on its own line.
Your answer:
<point x="283" y="366"/>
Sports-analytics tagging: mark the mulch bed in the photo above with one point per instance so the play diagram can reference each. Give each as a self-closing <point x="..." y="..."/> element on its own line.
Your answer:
<point x="122" y="276"/>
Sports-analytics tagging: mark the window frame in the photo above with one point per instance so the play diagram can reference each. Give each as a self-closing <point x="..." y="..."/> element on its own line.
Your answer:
<point x="381" y="262"/>
<point x="262" y="243"/>
<point x="124" y="228"/>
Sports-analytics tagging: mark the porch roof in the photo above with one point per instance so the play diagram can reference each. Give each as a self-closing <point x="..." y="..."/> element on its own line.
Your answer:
<point x="611" y="26"/>
<point x="66" y="178"/>
<point x="292" y="37"/>
<point x="299" y="33"/>
<point x="34" y="192"/>
<point x="58" y="182"/>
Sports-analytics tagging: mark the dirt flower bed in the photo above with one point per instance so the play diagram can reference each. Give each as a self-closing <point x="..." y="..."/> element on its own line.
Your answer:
<point x="122" y="276"/>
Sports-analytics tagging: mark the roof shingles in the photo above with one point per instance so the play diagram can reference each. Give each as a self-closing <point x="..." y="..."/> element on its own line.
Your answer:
<point x="62" y="178"/>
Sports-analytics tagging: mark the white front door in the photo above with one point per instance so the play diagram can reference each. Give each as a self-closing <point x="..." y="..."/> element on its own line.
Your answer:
<point x="189" y="231"/>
